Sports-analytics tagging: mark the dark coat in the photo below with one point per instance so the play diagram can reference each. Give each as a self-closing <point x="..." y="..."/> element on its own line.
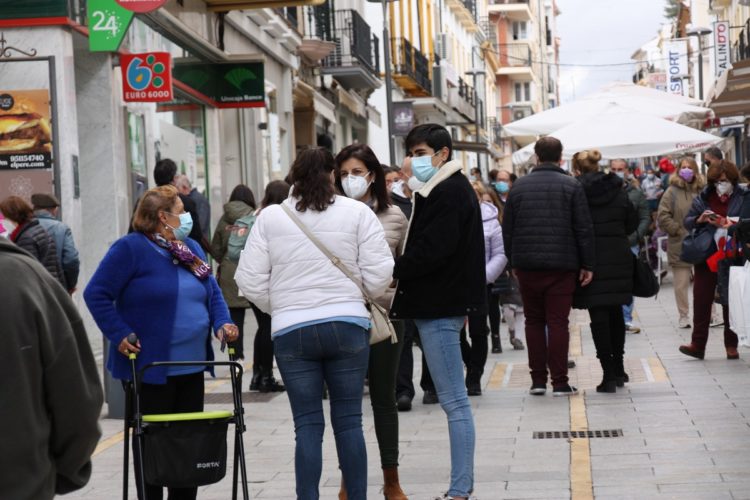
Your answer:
<point x="441" y="272"/>
<point x="33" y="238"/>
<point x="403" y="203"/>
<point x="546" y="224"/>
<point x="614" y="218"/>
<point x="700" y="205"/>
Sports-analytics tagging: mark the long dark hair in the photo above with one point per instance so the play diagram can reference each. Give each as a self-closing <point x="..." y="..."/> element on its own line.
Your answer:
<point x="363" y="153"/>
<point x="276" y="192"/>
<point x="244" y="194"/>
<point x="310" y="175"/>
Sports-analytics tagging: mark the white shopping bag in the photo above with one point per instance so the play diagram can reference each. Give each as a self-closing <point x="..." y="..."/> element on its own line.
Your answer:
<point x="739" y="302"/>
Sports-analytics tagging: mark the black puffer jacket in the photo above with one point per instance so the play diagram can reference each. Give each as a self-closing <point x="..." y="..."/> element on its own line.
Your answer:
<point x="614" y="218"/>
<point x="546" y="224"/>
<point x="33" y="238"/>
<point x="441" y="272"/>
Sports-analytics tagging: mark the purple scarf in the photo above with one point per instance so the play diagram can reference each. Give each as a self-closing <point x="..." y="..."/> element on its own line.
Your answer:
<point x="183" y="255"/>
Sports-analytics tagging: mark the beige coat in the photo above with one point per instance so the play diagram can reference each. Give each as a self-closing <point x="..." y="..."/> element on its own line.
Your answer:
<point x="673" y="208"/>
<point x="395" y="225"/>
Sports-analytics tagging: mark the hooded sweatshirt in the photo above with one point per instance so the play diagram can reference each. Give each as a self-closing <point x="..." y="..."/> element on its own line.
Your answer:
<point x="494" y="250"/>
<point x="50" y="396"/>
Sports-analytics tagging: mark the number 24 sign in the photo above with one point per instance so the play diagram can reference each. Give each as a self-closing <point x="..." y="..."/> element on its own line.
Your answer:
<point x="108" y="22"/>
<point x="146" y="77"/>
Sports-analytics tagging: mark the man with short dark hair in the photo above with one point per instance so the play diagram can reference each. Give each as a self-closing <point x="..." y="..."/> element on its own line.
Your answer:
<point x="549" y="241"/>
<point x="46" y="209"/>
<point x="712" y="156"/>
<point x="441" y="280"/>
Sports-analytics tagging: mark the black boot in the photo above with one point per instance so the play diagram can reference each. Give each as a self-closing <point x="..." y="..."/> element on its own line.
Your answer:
<point x="609" y="382"/>
<point x="620" y="376"/>
<point x="496" y="347"/>
<point x="473" y="382"/>
<point x="268" y="383"/>
<point x="255" y="380"/>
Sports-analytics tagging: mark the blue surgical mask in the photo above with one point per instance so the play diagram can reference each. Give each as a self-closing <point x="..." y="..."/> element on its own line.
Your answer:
<point x="502" y="187"/>
<point x="422" y="167"/>
<point x="186" y="225"/>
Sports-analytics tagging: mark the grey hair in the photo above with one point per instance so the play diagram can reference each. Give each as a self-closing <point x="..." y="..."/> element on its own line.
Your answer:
<point x="182" y="181"/>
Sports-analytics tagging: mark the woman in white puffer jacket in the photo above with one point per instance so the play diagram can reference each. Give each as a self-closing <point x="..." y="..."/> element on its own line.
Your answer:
<point x="319" y="322"/>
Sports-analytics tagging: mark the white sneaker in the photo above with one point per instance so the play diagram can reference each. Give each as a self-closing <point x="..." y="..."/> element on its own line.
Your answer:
<point x="684" y="323"/>
<point x="631" y="328"/>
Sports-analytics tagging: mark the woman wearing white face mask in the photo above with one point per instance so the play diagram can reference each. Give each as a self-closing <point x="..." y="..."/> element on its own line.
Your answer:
<point x="360" y="176"/>
<point x="712" y="210"/>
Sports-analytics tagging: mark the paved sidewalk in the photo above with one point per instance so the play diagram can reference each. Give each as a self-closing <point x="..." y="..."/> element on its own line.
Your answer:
<point x="685" y="429"/>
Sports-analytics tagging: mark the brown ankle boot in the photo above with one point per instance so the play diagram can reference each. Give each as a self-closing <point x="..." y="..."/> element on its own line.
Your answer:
<point x="342" y="491"/>
<point x="391" y="487"/>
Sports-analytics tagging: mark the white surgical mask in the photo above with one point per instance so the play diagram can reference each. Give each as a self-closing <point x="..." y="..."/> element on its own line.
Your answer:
<point x="9" y="225"/>
<point x="355" y="187"/>
<point x="398" y="188"/>
<point x="621" y="175"/>
<point x="414" y="184"/>
<point x="724" y="187"/>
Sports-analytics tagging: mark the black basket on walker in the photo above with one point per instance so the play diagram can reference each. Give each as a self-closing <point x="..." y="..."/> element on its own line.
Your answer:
<point x="184" y="450"/>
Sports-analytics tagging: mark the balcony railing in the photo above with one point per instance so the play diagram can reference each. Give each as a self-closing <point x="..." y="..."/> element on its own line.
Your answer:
<point x="514" y="54"/>
<point x="355" y="44"/>
<point x="742" y="46"/>
<point x="409" y="61"/>
<point x="471" y="5"/>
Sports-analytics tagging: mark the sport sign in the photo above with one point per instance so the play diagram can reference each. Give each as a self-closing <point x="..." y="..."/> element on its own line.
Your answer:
<point x="141" y="6"/>
<point x="147" y="77"/>
<point x="108" y="22"/>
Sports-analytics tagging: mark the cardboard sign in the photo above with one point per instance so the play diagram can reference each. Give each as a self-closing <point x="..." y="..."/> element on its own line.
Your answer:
<point x="108" y="23"/>
<point x="141" y="6"/>
<point x="147" y="77"/>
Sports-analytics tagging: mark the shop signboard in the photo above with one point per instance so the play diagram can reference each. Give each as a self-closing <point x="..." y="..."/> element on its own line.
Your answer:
<point x="721" y="47"/>
<point x="147" y="77"/>
<point x="27" y="9"/>
<point x="25" y="143"/>
<point x="676" y="54"/>
<point x="658" y="81"/>
<point x="403" y="118"/>
<point x="108" y="23"/>
<point x="141" y="6"/>
<point x="230" y="85"/>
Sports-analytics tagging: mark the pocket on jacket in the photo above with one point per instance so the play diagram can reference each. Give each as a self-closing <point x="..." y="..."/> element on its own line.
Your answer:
<point x="350" y="338"/>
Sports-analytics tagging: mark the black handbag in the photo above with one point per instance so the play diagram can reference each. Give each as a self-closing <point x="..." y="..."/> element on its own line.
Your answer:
<point x="698" y="246"/>
<point x="503" y="285"/>
<point x="645" y="283"/>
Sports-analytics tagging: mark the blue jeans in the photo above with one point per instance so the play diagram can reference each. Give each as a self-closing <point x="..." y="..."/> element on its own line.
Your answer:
<point x="442" y="348"/>
<point x="627" y="310"/>
<point x="335" y="353"/>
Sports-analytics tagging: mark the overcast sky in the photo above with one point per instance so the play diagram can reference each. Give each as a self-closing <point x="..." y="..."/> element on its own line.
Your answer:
<point x="602" y="32"/>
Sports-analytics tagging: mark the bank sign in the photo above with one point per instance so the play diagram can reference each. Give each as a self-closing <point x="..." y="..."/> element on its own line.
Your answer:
<point x="675" y="53"/>
<point x="721" y="47"/>
<point x="147" y="77"/>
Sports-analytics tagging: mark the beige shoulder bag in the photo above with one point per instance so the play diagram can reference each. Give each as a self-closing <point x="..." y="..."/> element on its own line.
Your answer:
<point x="381" y="327"/>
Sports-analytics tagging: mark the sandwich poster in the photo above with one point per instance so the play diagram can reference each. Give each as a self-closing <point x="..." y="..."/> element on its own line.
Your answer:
<point x="25" y="130"/>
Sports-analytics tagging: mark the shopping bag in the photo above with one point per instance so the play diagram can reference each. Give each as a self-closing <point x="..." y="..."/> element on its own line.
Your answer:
<point x="739" y="302"/>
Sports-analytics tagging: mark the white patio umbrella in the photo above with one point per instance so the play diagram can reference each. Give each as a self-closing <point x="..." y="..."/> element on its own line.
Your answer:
<point x="621" y="133"/>
<point x="624" y="88"/>
<point x="548" y="121"/>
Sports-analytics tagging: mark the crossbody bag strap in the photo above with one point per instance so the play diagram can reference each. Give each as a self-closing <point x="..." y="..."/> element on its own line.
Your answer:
<point x="334" y="260"/>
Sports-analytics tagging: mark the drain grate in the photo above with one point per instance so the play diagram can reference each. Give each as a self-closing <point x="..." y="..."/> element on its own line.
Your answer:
<point x="606" y="433"/>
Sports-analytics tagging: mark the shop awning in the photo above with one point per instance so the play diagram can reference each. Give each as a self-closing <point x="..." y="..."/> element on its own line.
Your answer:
<point x="227" y="5"/>
<point x="472" y="147"/>
<point x="731" y="94"/>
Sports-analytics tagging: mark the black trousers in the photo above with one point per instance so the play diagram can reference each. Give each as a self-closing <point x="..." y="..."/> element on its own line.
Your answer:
<point x="263" y="345"/>
<point x="238" y="318"/>
<point x="475" y="354"/>
<point x="181" y="394"/>
<point x="493" y="302"/>
<point x="404" y="382"/>
<point x="608" y="331"/>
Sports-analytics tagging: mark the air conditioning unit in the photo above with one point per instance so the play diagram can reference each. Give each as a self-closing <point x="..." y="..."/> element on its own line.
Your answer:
<point x="519" y="114"/>
<point x="443" y="46"/>
<point x="439" y="83"/>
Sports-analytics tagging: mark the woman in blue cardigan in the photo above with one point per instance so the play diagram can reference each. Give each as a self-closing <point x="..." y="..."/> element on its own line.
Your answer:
<point x="155" y="283"/>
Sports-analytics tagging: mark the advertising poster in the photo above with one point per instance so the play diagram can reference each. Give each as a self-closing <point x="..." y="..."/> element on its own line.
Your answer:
<point x="25" y="143"/>
<point x="403" y="118"/>
<point x="147" y="77"/>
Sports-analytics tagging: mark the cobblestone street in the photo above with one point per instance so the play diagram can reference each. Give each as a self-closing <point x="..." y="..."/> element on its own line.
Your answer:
<point x="685" y="429"/>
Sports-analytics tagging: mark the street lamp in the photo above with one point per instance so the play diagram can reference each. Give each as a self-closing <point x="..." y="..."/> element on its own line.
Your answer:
<point x="388" y="78"/>
<point x="700" y="33"/>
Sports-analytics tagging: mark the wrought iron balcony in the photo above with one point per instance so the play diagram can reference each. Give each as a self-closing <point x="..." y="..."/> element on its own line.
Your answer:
<point x="355" y="60"/>
<point x="411" y="68"/>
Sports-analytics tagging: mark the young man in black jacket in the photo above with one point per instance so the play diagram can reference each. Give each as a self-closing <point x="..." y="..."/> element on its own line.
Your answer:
<point x="441" y="280"/>
<point x="549" y="241"/>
